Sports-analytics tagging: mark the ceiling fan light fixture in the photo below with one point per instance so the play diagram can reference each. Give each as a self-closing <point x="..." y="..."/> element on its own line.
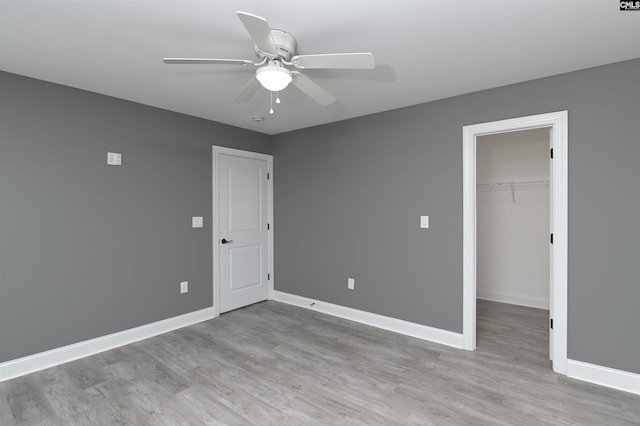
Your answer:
<point x="273" y="78"/>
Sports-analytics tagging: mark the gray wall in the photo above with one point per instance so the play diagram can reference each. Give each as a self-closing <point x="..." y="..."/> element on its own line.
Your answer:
<point x="88" y="249"/>
<point x="348" y="196"/>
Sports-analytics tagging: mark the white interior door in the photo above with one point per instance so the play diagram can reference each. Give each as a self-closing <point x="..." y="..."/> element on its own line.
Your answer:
<point x="242" y="229"/>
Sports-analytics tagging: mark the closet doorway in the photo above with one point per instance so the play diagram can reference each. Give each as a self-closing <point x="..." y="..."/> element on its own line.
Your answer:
<point x="513" y="241"/>
<point x="513" y="217"/>
<point x="556" y="126"/>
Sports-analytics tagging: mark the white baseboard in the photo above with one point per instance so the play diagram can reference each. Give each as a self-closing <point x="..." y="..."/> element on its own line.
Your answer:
<point x="40" y="361"/>
<point x="419" y="331"/>
<point x="513" y="300"/>
<point x="605" y="376"/>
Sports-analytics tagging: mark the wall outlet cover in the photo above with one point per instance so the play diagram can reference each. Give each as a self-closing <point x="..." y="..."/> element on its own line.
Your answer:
<point x="197" y="222"/>
<point x="351" y="283"/>
<point x="114" y="158"/>
<point x="184" y="287"/>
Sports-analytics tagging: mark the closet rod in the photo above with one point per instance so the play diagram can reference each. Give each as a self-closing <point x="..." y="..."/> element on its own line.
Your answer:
<point x="514" y="183"/>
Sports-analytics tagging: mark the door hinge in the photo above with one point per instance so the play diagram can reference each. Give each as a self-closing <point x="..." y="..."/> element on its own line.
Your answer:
<point x="269" y="279"/>
<point x="268" y="226"/>
<point x="551" y="152"/>
<point x="551" y="238"/>
<point x="551" y="323"/>
<point x="268" y="176"/>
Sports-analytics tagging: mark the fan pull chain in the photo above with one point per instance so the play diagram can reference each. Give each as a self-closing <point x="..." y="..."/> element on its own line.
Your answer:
<point x="278" y="97"/>
<point x="271" y="110"/>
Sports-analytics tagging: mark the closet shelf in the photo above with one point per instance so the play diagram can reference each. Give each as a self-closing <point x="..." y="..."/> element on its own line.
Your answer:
<point x="512" y="186"/>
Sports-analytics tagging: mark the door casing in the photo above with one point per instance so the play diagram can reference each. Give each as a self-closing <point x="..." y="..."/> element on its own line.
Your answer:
<point x="558" y="122"/>
<point x="216" y="152"/>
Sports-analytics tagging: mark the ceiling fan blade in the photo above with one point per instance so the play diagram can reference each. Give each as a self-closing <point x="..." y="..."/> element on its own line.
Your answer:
<point x="311" y="89"/>
<point x="260" y="33"/>
<point x="207" y="61"/>
<point x="335" y="61"/>
<point x="248" y="91"/>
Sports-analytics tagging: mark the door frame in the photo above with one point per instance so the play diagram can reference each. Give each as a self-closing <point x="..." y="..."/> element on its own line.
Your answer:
<point x="558" y="122"/>
<point x="215" y="232"/>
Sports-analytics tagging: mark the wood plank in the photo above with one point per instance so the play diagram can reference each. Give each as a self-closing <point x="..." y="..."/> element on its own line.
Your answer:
<point x="275" y="364"/>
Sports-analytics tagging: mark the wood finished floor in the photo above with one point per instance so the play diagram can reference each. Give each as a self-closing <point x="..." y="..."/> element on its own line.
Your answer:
<point x="274" y="364"/>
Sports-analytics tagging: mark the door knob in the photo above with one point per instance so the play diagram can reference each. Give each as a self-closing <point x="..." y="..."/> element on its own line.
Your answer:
<point x="225" y="241"/>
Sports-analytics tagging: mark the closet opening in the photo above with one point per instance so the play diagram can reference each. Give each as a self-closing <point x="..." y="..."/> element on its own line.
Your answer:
<point x="513" y="250"/>
<point x="557" y="124"/>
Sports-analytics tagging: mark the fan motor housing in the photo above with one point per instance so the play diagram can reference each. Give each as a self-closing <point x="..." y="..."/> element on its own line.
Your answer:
<point x="285" y="43"/>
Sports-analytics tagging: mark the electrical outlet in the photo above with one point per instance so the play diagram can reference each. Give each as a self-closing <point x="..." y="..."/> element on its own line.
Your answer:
<point x="184" y="287"/>
<point x="114" y="158"/>
<point x="351" y="283"/>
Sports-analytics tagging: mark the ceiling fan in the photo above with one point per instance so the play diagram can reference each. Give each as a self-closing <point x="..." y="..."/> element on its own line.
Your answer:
<point x="278" y="65"/>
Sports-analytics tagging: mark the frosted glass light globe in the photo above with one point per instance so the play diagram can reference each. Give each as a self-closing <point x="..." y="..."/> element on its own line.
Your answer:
<point x="273" y="78"/>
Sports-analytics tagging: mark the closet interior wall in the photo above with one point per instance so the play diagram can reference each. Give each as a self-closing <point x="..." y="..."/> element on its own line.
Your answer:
<point x="513" y="217"/>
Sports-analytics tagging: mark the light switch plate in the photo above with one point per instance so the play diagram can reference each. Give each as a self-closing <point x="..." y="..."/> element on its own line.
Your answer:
<point x="351" y="283"/>
<point x="114" y="158"/>
<point x="196" y="222"/>
<point x="184" y="287"/>
<point x="424" y="222"/>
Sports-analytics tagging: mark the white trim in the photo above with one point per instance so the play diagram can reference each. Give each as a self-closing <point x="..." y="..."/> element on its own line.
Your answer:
<point x="605" y="376"/>
<point x="412" y="329"/>
<point x="532" y="302"/>
<point x="40" y="361"/>
<point x="469" y="241"/>
<point x="558" y="121"/>
<point x="215" y="232"/>
<point x="271" y="233"/>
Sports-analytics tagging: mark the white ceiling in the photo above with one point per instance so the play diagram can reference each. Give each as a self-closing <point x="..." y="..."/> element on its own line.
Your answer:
<point x="425" y="50"/>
